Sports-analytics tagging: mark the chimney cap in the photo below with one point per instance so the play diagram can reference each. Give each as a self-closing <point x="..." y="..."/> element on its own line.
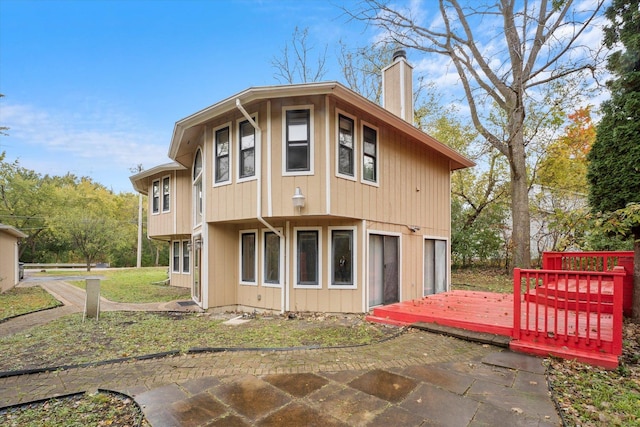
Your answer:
<point x="400" y="53"/>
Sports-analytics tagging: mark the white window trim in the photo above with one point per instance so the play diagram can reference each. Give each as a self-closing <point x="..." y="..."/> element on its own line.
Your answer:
<point x="400" y="258"/>
<point x="426" y="237"/>
<point x="155" y="181"/>
<point x="378" y="157"/>
<point x="354" y="256"/>
<point x="215" y="153"/>
<point x="255" y="257"/>
<point x="356" y="157"/>
<point x="256" y="134"/>
<point x="295" y="258"/>
<point x="182" y="247"/>
<point x="162" y="209"/>
<point x="173" y="257"/>
<point x="194" y="203"/>
<point x="263" y="260"/>
<point x="311" y="170"/>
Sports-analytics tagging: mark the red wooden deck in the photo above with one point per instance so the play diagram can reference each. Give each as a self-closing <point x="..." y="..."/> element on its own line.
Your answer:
<point x="471" y="310"/>
<point x="572" y="308"/>
<point x="552" y="332"/>
<point x="490" y="313"/>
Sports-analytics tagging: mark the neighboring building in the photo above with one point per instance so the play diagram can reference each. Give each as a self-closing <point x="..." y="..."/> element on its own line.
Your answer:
<point x="305" y="197"/>
<point x="9" y="268"/>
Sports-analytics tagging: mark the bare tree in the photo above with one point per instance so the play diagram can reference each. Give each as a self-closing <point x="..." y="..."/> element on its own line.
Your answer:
<point x="362" y="68"/>
<point x="295" y="64"/>
<point x="505" y="54"/>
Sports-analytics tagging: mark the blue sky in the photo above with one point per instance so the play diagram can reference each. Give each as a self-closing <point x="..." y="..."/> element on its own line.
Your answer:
<point x="94" y="87"/>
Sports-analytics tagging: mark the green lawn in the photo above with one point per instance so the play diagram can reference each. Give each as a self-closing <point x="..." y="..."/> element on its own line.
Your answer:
<point x="19" y="301"/>
<point x="129" y="284"/>
<point x="124" y="334"/>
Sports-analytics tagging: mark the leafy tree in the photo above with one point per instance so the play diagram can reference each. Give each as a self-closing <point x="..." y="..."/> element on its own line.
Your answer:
<point x="26" y="198"/>
<point x="88" y="218"/>
<point x="614" y="168"/>
<point x="564" y="164"/>
<point x="540" y="47"/>
<point x="560" y="215"/>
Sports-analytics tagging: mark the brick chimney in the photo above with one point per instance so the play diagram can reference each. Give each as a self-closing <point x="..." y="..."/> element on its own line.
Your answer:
<point x="397" y="87"/>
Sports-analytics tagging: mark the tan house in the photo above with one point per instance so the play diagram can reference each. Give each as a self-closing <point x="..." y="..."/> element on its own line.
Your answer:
<point x="305" y="197"/>
<point x="9" y="271"/>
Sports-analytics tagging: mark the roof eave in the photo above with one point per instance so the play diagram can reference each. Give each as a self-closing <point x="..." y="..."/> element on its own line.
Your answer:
<point x="245" y="97"/>
<point x="13" y="231"/>
<point x="457" y="161"/>
<point x="136" y="179"/>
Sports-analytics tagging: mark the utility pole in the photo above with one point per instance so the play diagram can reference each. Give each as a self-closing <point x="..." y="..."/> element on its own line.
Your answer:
<point x="139" y="258"/>
<point x="139" y="169"/>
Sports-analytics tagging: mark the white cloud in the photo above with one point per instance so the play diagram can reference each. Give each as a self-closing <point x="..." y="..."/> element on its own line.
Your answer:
<point x="98" y="141"/>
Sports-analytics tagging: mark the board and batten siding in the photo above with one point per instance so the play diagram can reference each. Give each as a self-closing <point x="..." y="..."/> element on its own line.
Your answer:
<point x="327" y="299"/>
<point x="176" y="221"/>
<point x="413" y="183"/>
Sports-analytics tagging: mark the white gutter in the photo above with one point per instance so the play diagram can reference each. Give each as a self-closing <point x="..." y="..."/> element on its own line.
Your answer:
<point x="258" y="166"/>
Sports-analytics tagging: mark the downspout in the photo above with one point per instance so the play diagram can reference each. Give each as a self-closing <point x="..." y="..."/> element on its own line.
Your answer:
<point x="258" y="166"/>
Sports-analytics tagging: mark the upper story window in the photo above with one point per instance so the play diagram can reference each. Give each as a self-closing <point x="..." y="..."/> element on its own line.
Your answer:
<point x="197" y="187"/>
<point x="346" y="137"/>
<point x="247" y="167"/>
<point x="155" y="196"/>
<point x="197" y="165"/>
<point x="166" y="194"/>
<point x="298" y="152"/>
<point x="369" y="155"/>
<point x="223" y="154"/>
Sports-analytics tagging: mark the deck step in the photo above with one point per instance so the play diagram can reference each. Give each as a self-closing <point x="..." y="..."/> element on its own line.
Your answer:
<point x="572" y="304"/>
<point x="596" y="358"/>
<point x="480" y="337"/>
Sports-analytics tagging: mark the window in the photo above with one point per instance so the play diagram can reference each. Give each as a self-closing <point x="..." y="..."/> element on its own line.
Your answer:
<point x="166" y="199"/>
<point x="176" y="257"/>
<point x="222" y="154"/>
<point x="271" y="260"/>
<point x="197" y="165"/>
<point x="370" y="154"/>
<point x="298" y="141"/>
<point x="248" y="257"/>
<point x="185" y="257"/>
<point x="197" y="187"/>
<point x="345" y="146"/>
<point x="247" y="150"/>
<point x="342" y="257"/>
<point x="308" y="258"/>
<point x="155" y="197"/>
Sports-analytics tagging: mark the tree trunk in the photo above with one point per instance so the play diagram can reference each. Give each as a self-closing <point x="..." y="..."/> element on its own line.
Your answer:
<point x="520" y="214"/>
<point x="635" y="302"/>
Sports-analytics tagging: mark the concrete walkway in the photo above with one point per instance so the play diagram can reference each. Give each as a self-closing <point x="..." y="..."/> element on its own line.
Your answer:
<point x="416" y="379"/>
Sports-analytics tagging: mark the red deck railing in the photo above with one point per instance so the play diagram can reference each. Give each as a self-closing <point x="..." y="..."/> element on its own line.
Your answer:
<point x="584" y="326"/>
<point x="595" y="261"/>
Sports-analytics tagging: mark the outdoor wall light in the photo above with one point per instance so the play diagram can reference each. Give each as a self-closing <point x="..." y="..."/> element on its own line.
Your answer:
<point x="298" y="199"/>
